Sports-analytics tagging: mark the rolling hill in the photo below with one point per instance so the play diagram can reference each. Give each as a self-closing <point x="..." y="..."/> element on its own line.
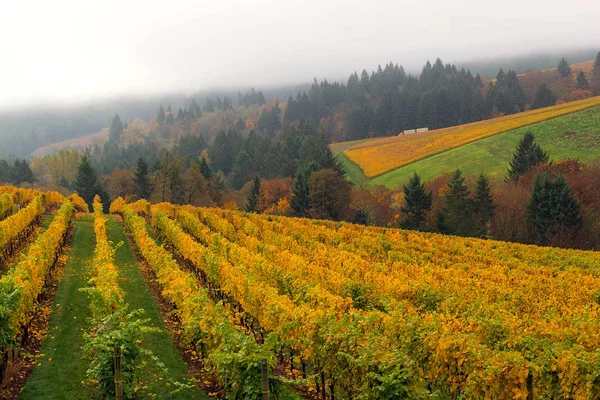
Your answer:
<point x="575" y="135"/>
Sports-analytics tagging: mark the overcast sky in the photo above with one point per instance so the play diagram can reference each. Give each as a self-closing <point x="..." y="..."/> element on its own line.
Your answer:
<point x="76" y="50"/>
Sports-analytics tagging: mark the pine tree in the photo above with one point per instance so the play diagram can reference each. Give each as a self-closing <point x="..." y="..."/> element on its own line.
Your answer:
<point x="301" y="194"/>
<point x="416" y="204"/>
<point x="483" y="205"/>
<point x="527" y="155"/>
<point x="543" y="96"/>
<point x="116" y="128"/>
<point x="582" y="82"/>
<point x="552" y="210"/>
<point x="143" y="187"/>
<point x="205" y="168"/>
<point x="160" y="117"/>
<point x="87" y="184"/>
<point x="253" y="196"/>
<point x="458" y="208"/>
<point x="21" y="172"/>
<point x="563" y="68"/>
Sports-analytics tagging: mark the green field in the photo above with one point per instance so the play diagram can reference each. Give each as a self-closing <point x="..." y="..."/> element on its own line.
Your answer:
<point x="571" y="136"/>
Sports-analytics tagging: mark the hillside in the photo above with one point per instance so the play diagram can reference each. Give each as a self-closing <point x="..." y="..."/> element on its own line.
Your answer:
<point x="444" y="312"/>
<point x="572" y="136"/>
<point x="377" y="157"/>
<point x="80" y="143"/>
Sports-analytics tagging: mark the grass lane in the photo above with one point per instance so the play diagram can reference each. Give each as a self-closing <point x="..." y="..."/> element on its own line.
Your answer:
<point x="61" y="370"/>
<point x="137" y="295"/>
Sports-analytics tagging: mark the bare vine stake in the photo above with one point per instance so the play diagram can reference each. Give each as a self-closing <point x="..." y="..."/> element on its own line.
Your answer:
<point x="265" y="379"/>
<point x="118" y="374"/>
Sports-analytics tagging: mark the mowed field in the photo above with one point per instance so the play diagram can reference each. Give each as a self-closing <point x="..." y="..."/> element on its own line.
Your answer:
<point x="376" y="157"/>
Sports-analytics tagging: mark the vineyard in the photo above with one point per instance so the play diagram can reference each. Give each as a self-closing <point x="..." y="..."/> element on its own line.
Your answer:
<point x="298" y="308"/>
<point x="376" y="157"/>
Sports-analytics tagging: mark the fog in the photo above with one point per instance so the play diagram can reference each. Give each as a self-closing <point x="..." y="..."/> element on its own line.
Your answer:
<point x="67" y="51"/>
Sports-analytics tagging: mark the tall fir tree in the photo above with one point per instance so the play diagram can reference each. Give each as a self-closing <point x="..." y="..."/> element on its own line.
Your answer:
<point x="21" y="172"/>
<point x="417" y="202"/>
<point x="205" y="168"/>
<point x="160" y="117"/>
<point x="253" y="196"/>
<point x="457" y="213"/>
<point x="527" y="155"/>
<point x="116" y="129"/>
<point x="553" y="209"/>
<point x="483" y="205"/>
<point x="582" y="82"/>
<point x="563" y="68"/>
<point x="300" y="201"/>
<point x="543" y="96"/>
<point x="143" y="186"/>
<point x="87" y="184"/>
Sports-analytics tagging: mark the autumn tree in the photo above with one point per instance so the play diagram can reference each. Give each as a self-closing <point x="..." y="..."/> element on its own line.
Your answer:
<point x="253" y="196"/>
<point x="527" y="155"/>
<point x="417" y="202"/>
<point x="329" y="194"/>
<point x="195" y="186"/>
<point x="168" y="185"/>
<point x="553" y="209"/>
<point x="563" y="68"/>
<point x="120" y="183"/>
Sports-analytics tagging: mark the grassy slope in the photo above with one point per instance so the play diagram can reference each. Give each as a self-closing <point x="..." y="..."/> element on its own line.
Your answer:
<point x="62" y="377"/>
<point x="492" y="155"/>
<point x="60" y="372"/>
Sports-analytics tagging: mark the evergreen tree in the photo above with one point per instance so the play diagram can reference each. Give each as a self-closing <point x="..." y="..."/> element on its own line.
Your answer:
<point x="563" y="68"/>
<point x="21" y="172"/>
<point x="253" y="196"/>
<point x="582" y="82"/>
<point x="160" y="117"/>
<point x="143" y="187"/>
<point x="301" y="193"/>
<point x="552" y="210"/>
<point x="170" y="117"/>
<point x="457" y="213"/>
<point x="543" y="96"/>
<point x="483" y="205"/>
<point x="205" y="168"/>
<point x="527" y="155"/>
<point x="416" y="204"/>
<point x="115" y="130"/>
<point x="87" y="184"/>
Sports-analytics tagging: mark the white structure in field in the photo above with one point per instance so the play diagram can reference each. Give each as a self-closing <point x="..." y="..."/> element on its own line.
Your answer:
<point x="411" y="131"/>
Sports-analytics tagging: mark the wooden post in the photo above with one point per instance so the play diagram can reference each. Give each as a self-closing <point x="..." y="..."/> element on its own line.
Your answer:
<point x="118" y="374"/>
<point x="265" y="379"/>
<point x="529" y="384"/>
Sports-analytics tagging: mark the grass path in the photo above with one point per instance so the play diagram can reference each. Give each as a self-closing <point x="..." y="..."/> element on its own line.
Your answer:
<point x="138" y="296"/>
<point x="61" y="370"/>
<point x="61" y="367"/>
